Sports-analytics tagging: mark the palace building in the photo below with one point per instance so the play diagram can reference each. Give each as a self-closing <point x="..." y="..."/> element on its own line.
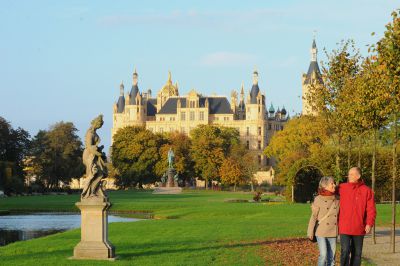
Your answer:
<point x="169" y="112"/>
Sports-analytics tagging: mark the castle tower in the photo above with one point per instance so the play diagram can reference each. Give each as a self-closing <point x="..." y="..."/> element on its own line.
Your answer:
<point x="234" y="102"/>
<point x="255" y="106"/>
<point x="312" y="78"/>
<point x="135" y="107"/>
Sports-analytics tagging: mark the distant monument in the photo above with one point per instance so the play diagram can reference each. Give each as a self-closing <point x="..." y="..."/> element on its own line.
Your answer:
<point x="170" y="178"/>
<point x="94" y="203"/>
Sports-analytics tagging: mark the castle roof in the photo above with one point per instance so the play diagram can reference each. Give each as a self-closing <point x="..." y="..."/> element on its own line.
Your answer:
<point x="216" y="105"/>
<point x="151" y="107"/>
<point x="253" y="93"/>
<point x="121" y="104"/>
<point x="133" y="93"/>
<point x="313" y="69"/>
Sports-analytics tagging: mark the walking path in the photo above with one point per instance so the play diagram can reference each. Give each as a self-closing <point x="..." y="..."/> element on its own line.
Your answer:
<point x="380" y="253"/>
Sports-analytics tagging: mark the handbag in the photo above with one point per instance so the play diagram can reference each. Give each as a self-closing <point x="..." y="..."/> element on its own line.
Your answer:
<point x="314" y="239"/>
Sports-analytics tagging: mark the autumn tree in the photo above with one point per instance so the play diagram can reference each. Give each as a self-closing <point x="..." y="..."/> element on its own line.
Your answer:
<point x="134" y="153"/>
<point x="57" y="155"/>
<point x="14" y="145"/>
<point x="327" y="99"/>
<point x="231" y="172"/>
<point x="210" y="146"/>
<point x="302" y="137"/>
<point x="388" y="49"/>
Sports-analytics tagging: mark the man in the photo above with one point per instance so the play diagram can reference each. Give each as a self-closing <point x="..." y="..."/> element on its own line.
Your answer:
<point x="356" y="216"/>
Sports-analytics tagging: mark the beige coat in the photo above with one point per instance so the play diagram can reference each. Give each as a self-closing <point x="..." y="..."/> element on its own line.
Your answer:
<point x="320" y="207"/>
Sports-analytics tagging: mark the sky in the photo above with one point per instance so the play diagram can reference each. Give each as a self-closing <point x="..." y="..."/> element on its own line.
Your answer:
<point x="65" y="60"/>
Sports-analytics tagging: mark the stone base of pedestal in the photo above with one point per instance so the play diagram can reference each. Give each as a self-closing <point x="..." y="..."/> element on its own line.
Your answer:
<point x="167" y="190"/>
<point x="94" y="250"/>
<point x="94" y="232"/>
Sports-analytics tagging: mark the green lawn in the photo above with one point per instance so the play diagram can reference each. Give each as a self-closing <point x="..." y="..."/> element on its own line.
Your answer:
<point x="193" y="228"/>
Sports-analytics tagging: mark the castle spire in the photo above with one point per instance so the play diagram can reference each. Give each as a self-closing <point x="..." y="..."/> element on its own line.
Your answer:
<point x="169" y="77"/>
<point x="255" y="76"/>
<point x="121" y="89"/>
<point x="314" y="50"/>
<point x="135" y="78"/>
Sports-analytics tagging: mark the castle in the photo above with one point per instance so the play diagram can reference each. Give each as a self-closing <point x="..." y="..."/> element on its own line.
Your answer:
<point x="169" y="112"/>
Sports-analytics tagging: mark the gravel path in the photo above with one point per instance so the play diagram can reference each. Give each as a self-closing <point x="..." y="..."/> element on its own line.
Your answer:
<point x="380" y="253"/>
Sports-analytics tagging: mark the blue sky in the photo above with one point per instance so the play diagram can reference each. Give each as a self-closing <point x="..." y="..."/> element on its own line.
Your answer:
<point x="64" y="60"/>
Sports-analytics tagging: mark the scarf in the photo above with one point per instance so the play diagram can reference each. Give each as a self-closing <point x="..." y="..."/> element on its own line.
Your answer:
<point x="324" y="192"/>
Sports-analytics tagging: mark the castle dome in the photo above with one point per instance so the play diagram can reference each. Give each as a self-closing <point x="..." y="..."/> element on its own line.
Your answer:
<point x="283" y="111"/>
<point x="271" y="109"/>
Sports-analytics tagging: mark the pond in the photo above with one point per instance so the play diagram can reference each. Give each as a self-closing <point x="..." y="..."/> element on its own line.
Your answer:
<point x="27" y="226"/>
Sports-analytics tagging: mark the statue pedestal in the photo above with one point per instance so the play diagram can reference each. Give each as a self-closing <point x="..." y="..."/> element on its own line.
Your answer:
<point x="167" y="190"/>
<point x="94" y="231"/>
<point x="171" y="172"/>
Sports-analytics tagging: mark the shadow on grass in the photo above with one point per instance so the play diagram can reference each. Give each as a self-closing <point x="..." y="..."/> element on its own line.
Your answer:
<point x="186" y="247"/>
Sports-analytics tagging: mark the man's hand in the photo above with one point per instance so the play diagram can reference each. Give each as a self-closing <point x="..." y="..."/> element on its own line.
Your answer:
<point x="367" y="228"/>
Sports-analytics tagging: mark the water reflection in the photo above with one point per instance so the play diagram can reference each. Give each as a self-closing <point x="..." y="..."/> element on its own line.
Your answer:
<point x="27" y="226"/>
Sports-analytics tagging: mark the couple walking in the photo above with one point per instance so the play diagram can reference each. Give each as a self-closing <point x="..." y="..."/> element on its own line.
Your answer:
<point x="351" y="217"/>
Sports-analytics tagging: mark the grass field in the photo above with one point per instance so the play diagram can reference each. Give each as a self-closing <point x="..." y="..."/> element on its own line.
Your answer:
<point x="193" y="228"/>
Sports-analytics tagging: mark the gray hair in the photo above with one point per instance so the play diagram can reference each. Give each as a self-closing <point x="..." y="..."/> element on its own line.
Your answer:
<point x="325" y="181"/>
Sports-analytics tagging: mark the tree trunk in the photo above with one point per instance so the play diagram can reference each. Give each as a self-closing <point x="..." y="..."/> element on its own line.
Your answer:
<point x="206" y="183"/>
<point x="252" y="186"/>
<point x="349" y="154"/>
<point x="234" y="187"/>
<point x="338" y="175"/>
<point x="394" y="173"/>
<point x="359" y="151"/>
<point x="373" y="178"/>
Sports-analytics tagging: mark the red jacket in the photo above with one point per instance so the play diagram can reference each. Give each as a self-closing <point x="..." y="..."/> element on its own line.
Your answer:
<point x="357" y="208"/>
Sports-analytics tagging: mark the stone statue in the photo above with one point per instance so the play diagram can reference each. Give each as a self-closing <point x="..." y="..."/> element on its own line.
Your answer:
<point x="95" y="161"/>
<point x="171" y="157"/>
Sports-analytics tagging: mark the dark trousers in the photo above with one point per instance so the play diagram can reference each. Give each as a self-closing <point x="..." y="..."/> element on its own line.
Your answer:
<point x="351" y="250"/>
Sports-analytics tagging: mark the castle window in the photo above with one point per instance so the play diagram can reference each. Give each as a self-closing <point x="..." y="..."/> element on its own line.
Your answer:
<point x="161" y="130"/>
<point x="191" y="115"/>
<point x="248" y="144"/>
<point x="259" y="131"/>
<point x="269" y="127"/>
<point x="247" y="131"/>
<point x="183" y="116"/>
<point x="281" y="127"/>
<point x="192" y="104"/>
<point x="172" y="118"/>
<point x="259" y="159"/>
<point x="201" y="116"/>
<point x="259" y="145"/>
<point x="183" y="130"/>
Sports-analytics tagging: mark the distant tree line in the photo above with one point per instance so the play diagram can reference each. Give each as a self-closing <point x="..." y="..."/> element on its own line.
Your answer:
<point x="211" y="153"/>
<point x="51" y="158"/>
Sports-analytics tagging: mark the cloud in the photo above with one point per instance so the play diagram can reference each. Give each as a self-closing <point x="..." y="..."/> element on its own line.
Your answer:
<point x="225" y="58"/>
<point x="223" y="20"/>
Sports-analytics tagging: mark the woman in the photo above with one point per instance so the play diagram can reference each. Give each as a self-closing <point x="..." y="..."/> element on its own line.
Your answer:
<point x="323" y="221"/>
